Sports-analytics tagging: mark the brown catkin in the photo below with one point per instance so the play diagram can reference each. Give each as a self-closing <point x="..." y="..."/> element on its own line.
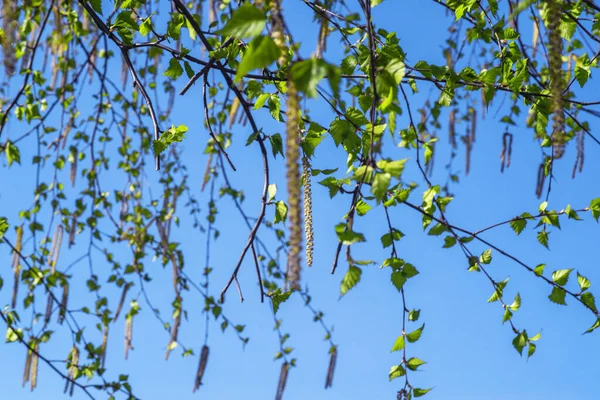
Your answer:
<point x="452" y="127"/>
<point x="16" y="265"/>
<point x="10" y="26"/>
<point x="72" y="364"/>
<point x="104" y="344"/>
<point x="292" y="156"/>
<point x="331" y="369"/>
<point x="63" y="303"/>
<point x="201" y="367"/>
<point x="322" y="39"/>
<point x="282" y="380"/>
<point x="35" y="359"/>
<point x="308" y="221"/>
<point x="72" y="230"/>
<point x="555" y="50"/>
<point x="175" y="328"/>
<point x="122" y="301"/>
<point x="27" y="369"/>
<point x="128" y="334"/>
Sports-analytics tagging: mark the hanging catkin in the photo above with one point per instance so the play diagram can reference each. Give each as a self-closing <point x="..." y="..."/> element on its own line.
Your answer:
<point x="16" y="265"/>
<point x="555" y="50"/>
<point x="282" y="381"/>
<point x="292" y="156"/>
<point x="104" y="344"/>
<point x="201" y="367"/>
<point x="308" y="221"/>
<point x="331" y="369"/>
<point x="35" y="359"/>
<point x="63" y="303"/>
<point x="73" y="365"/>
<point x="277" y="29"/>
<point x="128" y="334"/>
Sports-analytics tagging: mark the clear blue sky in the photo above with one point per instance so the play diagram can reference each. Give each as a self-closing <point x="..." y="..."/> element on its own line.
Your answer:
<point x="468" y="351"/>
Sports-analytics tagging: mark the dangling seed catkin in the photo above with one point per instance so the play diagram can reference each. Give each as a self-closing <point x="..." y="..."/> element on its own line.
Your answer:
<point x="122" y="301"/>
<point x="104" y="344"/>
<point x="27" y="369"/>
<point x="308" y="221"/>
<point x="555" y="49"/>
<point x="63" y="303"/>
<point x="34" y="367"/>
<point x="292" y="157"/>
<point x="128" y="334"/>
<point x="331" y="369"/>
<point x="201" y="367"/>
<point x="16" y="265"/>
<point x="282" y="381"/>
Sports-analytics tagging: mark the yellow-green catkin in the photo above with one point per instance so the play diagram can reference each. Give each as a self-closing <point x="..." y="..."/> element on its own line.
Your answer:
<point x="308" y="222"/>
<point x="292" y="157"/>
<point x="277" y="33"/>
<point x="555" y="50"/>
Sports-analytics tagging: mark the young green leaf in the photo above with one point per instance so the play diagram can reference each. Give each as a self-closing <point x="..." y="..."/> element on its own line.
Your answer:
<point x="396" y="372"/>
<point x="351" y="279"/>
<point x="261" y="52"/>
<point x="558" y="296"/>
<point x="415" y="335"/>
<point x="246" y="21"/>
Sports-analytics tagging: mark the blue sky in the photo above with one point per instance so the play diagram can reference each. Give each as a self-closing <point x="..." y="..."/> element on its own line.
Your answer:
<point x="468" y="351"/>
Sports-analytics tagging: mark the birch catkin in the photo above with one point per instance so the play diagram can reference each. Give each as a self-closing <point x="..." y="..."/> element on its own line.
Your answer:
<point x="292" y="156"/>
<point x="555" y="49"/>
<point x="308" y="221"/>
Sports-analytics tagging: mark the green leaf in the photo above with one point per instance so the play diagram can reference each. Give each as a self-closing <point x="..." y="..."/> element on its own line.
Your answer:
<point x="347" y="236"/>
<point x="518" y="225"/>
<point x="499" y="290"/>
<point x="561" y="277"/>
<point x="558" y="296"/>
<point x="380" y="185"/>
<point x="539" y="269"/>
<point x="272" y="191"/>
<point x="390" y="237"/>
<point x="594" y="327"/>
<point x="595" y="208"/>
<point x="175" y="69"/>
<point x="245" y="22"/>
<point x="3" y="226"/>
<point x="362" y="208"/>
<point x="531" y="349"/>
<point x="414" y="315"/>
<point x="399" y="344"/>
<point x="542" y="237"/>
<point x="587" y="298"/>
<point x="280" y="211"/>
<point x="414" y="363"/>
<point x="520" y="341"/>
<point x="307" y="74"/>
<point x="12" y="153"/>
<point x="96" y="5"/>
<point x="278" y="297"/>
<point x="420" y="392"/>
<point x="261" y="52"/>
<point x="276" y="144"/>
<point x="486" y="257"/>
<point x="449" y="241"/>
<point x="351" y="279"/>
<point x="415" y="335"/>
<point x="398" y="279"/>
<point x="146" y="27"/>
<point x="168" y="137"/>
<point x="396" y="372"/>
<point x="516" y="304"/>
